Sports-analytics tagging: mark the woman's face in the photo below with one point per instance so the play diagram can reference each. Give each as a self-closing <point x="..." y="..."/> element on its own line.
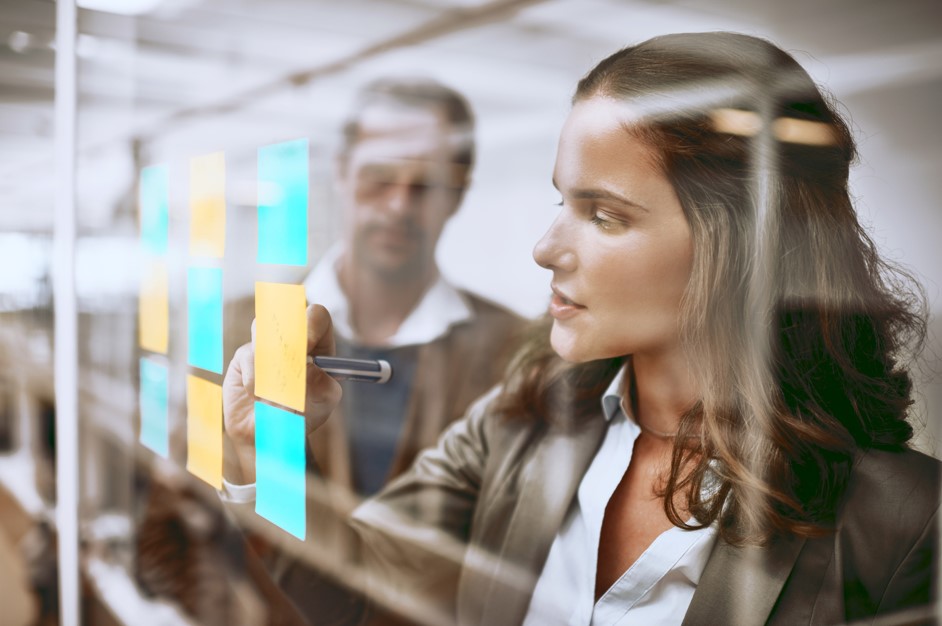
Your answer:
<point x="620" y="249"/>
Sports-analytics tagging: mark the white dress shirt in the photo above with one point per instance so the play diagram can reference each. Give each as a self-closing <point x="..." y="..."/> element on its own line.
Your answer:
<point x="441" y="307"/>
<point x="656" y="589"/>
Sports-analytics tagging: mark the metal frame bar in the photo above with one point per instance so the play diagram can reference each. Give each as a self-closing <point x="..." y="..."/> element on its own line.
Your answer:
<point x="66" y="332"/>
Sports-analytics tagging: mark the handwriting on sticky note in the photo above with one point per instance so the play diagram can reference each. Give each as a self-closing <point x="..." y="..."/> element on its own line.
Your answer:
<point x="280" y="344"/>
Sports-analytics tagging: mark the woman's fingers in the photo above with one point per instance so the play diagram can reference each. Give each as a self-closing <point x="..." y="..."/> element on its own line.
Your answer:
<point x="238" y="396"/>
<point x="323" y="392"/>
<point x="321" y="398"/>
<point x="320" y="331"/>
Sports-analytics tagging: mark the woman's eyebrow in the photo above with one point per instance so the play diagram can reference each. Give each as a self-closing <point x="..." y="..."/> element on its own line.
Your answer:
<point x="602" y="194"/>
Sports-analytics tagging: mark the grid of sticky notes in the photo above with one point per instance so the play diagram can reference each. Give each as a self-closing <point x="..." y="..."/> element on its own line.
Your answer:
<point x="204" y="306"/>
<point x="281" y="337"/>
<point x="153" y="307"/>
<point x="280" y="327"/>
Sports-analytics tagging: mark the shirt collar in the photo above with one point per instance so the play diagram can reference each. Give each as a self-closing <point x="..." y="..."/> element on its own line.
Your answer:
<point x="611" y="404"/>
<point x="611" y="399"/>
<point x="441" y="307"/>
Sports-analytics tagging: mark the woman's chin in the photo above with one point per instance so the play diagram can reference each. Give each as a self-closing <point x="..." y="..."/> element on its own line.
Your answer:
<point x="567" y="346"/>
<point x="573" y="348"/>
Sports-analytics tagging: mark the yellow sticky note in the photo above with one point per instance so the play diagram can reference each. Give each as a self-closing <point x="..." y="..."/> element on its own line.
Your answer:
<point x="153" y="311"/>
<point x="280" y="344"/>
<point x="204" y="430"/>
<point x="208" y="205"/>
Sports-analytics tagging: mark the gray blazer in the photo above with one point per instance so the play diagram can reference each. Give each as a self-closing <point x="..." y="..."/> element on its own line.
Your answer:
<point x="463" y="535"/>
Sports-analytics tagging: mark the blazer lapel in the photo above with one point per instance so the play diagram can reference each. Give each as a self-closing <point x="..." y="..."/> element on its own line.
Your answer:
<point x="740" y="585"/>
<point x="546" y="491"/>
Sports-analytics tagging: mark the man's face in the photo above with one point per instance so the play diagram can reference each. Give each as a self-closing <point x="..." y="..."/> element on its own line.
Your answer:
<point x="399" y="186"/>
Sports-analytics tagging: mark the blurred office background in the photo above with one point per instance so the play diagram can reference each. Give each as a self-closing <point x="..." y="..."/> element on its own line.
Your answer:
<point x="164" y="80"/>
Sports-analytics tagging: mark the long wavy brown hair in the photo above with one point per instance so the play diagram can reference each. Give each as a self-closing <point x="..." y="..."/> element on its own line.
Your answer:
<point x="799" y="333"/>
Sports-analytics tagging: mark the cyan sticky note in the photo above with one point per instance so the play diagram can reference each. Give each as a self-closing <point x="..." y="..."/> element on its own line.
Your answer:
<point x="282" y="203"/>
<point x="279" y="468"/>
<point x="154" y="413"/>
<point x="153" y="202"/>
<point x="204" y="318"/>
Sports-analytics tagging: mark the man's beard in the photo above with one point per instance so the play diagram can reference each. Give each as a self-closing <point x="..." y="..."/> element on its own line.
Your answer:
<point x="404" y="270"/>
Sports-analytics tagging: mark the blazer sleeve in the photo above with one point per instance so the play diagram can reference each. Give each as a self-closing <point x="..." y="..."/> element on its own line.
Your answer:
<point x="415" y="532"/>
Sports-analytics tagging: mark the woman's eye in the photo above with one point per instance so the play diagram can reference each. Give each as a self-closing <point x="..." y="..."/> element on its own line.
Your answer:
<point x="603" y="223"/>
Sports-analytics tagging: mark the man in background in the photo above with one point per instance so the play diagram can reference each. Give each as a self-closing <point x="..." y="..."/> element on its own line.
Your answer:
<point x="401" y="173"/>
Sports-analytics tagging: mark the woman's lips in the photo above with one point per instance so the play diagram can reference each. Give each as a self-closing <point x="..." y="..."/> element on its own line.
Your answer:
<point x="562" y="308"/>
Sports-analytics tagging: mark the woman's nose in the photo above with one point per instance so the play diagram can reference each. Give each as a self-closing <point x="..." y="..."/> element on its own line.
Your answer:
<point x="554" y="250"/>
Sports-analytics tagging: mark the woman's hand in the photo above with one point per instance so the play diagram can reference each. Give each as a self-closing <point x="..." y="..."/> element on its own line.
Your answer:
<point x="238" y="390"/>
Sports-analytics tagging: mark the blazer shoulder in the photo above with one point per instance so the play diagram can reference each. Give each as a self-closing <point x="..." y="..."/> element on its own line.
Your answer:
<point x="887" y="531"/>
<point x="906" y="477"/>
<point x="891" y="498"/>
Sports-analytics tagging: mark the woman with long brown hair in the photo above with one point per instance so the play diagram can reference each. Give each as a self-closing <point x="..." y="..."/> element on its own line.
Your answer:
<point x="711" y="425"/>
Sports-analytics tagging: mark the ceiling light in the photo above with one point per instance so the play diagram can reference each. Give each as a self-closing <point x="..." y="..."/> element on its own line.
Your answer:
<point x="19" y="41"/>
<point x="124" y="7"/>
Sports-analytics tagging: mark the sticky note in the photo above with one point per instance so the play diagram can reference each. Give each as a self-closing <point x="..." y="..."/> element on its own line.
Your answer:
<point x="154" y="413"/>
<point x="204" y="318"/>
<point x="153" y="307"/>
<point x="204" y="430"/>
<point x="283" y="202"/>
<point x="153" y="201"/>
<point x="279" y="468"/>
<point x="208" y="205"/>
<point x="280" y="344"/>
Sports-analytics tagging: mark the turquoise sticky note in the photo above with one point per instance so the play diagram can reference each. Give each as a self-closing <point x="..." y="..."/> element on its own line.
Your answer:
<point x="153" y="202"/>
<point x="204" y="318"/>
<point x="282" y="203"/>
<point x="279" y="468"/>
<point x="154" y="414"/>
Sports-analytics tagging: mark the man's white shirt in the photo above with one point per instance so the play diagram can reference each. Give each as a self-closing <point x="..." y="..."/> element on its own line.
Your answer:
<point x="441" y="307"/>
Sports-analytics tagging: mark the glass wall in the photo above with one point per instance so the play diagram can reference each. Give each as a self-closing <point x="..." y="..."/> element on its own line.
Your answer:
<point x="27" y="404"/>
<point x="238" y="160"/>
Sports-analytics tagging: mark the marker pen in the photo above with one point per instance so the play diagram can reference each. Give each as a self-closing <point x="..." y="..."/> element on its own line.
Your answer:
<point x="360" y="370"/>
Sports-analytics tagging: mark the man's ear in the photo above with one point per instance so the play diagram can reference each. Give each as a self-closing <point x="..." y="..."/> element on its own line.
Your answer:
<point x="341" y="161"/>
<point x="461" y="180"/>
<point x="341" y="170"/>
<point x="460" y="193"/>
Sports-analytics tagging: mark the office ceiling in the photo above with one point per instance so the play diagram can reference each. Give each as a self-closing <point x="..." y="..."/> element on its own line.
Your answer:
<point x="200" y="70"/>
